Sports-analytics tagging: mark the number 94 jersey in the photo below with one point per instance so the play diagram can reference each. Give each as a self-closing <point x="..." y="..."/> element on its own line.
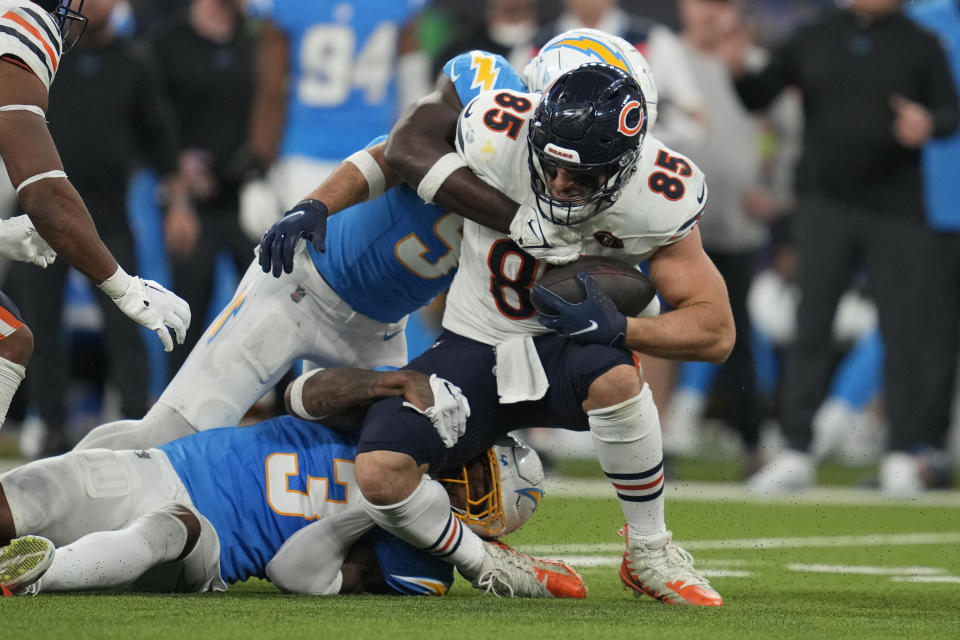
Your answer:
<point x="658" y="206"/>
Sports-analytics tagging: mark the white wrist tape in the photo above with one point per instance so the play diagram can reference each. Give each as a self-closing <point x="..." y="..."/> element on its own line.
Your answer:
<point x="370" y="168"/>
<point x="32" y="108"/>
<point x="296" y="396"/>
<point x="56" y="173"/>
<point x="439" y="172"/>
<point x="116" y="285"/>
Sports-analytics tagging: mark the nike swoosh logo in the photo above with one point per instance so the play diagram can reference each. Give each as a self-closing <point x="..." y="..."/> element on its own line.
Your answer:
<point x="449" y="390"/>
<point x="454" y="76"/>
<point x="388" y="336"/>
<point x="296" y="213"/>
<point x="467" y="112"/>
<point x="703" y="188"/>
<point x="591" y="327"/>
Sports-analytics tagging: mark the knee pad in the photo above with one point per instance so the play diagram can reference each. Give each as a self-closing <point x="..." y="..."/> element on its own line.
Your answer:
<point x="627" y="421"/>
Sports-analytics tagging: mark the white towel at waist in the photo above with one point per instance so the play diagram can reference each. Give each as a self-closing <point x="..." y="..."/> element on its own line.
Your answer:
<point x="520" y="375"/>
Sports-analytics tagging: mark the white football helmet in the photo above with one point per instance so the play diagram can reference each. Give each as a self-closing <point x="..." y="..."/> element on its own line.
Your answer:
<point x="575" y="47"/>
<point x="508" y="494"/>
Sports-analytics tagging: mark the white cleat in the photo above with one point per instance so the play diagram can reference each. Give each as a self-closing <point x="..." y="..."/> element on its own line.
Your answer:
<point x="507" y="573"/>
<point x="23" y="562"/>
<point x="655" y="567"/>
<point x="790" y="470"/>
<point x="900" y="475"/>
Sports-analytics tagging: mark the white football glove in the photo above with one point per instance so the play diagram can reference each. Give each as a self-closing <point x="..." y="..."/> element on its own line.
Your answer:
<point x="150" y="304"/>
<point x="543" y="239"/>
<point x="449" y="412"/>
<point x="19" y="240"/>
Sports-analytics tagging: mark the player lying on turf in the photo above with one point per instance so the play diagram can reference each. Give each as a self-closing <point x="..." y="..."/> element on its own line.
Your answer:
<point x="228" y="504"/>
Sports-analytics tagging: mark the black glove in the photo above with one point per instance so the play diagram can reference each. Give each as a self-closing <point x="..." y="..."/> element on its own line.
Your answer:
<point x="308" y="219"/>
<point x="596" y="320"/>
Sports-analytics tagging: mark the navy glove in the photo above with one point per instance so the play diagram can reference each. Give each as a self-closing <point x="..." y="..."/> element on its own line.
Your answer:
<point x="308" y="219"/>
<point x="596" y="320"/>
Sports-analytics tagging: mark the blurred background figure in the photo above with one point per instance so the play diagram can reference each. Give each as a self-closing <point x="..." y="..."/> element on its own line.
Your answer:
<point x="681" y="109"/>
<point x="746" y="192"/>
<point x="329" y="80"/>
<point x="941" y="313"/>
<point x="204" y="56"/>
<point x="875" y="88"/>
<point x="134" y="127"/>
<point x="509" y="29"/>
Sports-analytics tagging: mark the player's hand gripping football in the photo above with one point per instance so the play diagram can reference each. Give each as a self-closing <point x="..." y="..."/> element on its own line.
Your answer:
<point x="543" y="239"/>
<point x="19" y="240"/>
<point x="449" y="412"/>
<point x="308" y="219"/>
<point x="596" y="320"/>
<point x="150" y="304"/>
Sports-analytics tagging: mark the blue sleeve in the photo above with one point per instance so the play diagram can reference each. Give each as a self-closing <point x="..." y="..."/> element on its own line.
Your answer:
<point x="409" y="571"/>
<point x="477" y="71"/>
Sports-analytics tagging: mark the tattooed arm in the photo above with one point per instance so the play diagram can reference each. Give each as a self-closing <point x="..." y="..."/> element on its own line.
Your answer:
<point x="340" y="396"/>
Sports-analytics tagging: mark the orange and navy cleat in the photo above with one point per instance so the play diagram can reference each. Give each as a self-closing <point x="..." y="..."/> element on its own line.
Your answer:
<point x="655" y="567"/>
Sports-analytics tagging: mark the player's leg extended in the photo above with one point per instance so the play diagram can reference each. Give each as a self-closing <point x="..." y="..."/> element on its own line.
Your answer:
<point x="111" y="559"/>
<point x="16" y="347"/>
<point x="627" y="439"/>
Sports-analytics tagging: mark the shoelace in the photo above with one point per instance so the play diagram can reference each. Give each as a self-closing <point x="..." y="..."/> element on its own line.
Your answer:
<point x="524" y="575"/>
<point x="673" y="557"/>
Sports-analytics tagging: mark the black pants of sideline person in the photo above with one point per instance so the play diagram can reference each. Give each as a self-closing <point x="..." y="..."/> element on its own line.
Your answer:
<point x="193" y="275"/>
<point x="737" y="378"/>
<point x="47" y="382"/>
<point x="834" y="240"/>
<point x="940" y="322"/>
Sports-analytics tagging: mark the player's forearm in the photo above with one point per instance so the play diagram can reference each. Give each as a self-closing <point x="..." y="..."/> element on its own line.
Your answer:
<point x="58" y="213"/>
<point x="327" y="392"/>
<point x="347" y="185"/>
<point x="700" y="331"/>
<point x="419" y="140"/>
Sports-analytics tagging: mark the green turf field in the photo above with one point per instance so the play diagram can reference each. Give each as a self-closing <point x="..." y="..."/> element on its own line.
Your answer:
<point x="857" y="567"/>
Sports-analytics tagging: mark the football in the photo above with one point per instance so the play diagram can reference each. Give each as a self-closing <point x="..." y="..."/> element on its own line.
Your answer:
<point x="626" y="285"/>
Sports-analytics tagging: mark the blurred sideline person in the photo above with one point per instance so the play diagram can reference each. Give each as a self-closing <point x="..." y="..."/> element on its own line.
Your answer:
<point x="33" y="38"/>
<point x="875" y="87"/>
<point x="329" y="78"/>
<point x="509" y="29"/>
<point x="205" y="58"/>
<point x="941" y="314"/>
<point x="135" y="127"/>
<point x="228" y="504"/>
<point x="742" y="202"/>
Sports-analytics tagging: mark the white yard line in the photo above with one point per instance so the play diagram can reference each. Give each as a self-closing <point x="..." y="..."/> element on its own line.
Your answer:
<point x="599" y="488"/>
<point x="893" y="539"/>
<point x="866" y="570"/>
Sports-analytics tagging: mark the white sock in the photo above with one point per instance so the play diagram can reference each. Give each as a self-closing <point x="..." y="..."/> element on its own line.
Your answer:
<point x="630" y="450"/>
<point x="11" y="375"/>
<point x="425" y="521"/>
<point x="109" y="559"/>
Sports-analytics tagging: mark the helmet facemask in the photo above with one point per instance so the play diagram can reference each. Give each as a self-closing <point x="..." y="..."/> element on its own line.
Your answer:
<point x="498" y="491"/>
<point x="71" y="21"/>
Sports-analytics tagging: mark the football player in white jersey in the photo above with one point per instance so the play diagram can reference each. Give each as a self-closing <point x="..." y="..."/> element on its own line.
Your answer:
<point x="579" y="152"/>
<point x="33" y="36"/>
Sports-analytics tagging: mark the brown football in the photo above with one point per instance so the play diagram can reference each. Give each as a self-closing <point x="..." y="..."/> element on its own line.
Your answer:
<point x="626" y="285"/>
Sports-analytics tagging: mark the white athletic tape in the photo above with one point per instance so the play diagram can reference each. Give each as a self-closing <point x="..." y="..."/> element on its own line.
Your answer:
<point x="56" y="173"/>
<point x="439" y="172"/>
<point x="296" y="396"/>
<point x="370" y="168"/>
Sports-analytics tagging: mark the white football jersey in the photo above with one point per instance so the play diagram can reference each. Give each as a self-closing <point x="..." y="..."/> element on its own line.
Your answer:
<point x="489" y="299"/>
<point x="30" y="33"/>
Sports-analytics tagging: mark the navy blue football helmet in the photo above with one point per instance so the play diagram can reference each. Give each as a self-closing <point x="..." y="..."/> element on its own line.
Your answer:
<point x="70" y="20"/>
<point x="591" y="121"/>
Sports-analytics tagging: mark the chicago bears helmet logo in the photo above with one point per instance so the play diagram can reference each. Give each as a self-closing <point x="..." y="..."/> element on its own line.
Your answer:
<point x="626" y="129"/>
